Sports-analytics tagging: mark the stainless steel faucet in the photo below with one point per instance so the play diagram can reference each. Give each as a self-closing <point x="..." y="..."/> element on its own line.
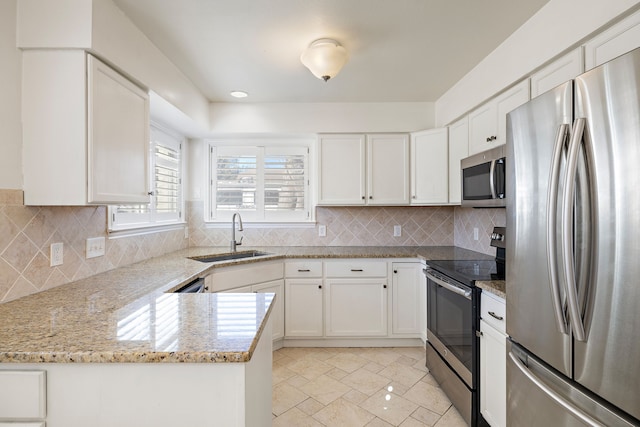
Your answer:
<point x="233" y="231"/>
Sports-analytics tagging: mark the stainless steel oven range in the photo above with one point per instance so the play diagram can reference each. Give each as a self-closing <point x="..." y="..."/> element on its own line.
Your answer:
<point x="453" y="316"/>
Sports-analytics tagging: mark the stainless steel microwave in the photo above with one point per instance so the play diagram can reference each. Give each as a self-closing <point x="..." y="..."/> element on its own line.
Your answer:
<point x="483" y="179"/>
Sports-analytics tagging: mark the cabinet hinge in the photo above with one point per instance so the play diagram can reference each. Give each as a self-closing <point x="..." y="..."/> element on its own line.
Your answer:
<point x="113" y="217"/>
<point x="179" y="214"/>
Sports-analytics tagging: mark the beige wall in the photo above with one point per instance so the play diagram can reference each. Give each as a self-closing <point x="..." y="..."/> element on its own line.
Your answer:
<point x="466" y="219"/>
<point x="320" y="117"/>
<point x="557" y="26"/>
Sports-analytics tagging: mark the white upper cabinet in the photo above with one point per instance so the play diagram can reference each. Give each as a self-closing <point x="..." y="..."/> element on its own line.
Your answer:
<point x="458" y="150"/>
<point x="559" y="71"/>
<point x="118" y="140"/>
<point x="356" y="169"/>
<point x="342" y="170"/>
<point x="388" y="169"/>
<point x="488" y="123"/>
<point x="611" y="43"/>
<point x="429" y="167"/>
<point x="85" y="131"/>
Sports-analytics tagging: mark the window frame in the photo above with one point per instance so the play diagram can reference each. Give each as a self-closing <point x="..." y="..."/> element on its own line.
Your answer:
<point x="263" y="148"/>
<point x="122" y="222"/>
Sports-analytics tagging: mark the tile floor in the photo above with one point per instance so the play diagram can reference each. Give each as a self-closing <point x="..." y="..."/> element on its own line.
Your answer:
<point x="353" y="387"/>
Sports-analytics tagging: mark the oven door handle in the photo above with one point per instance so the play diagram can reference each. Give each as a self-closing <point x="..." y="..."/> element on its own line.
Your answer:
<point x="453" y="288"/>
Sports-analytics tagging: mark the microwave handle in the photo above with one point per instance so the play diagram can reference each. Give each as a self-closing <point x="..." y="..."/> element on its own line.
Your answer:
<point x="492" y="179"/>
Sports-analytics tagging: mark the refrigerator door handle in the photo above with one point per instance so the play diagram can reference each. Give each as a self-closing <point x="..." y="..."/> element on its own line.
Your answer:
<point x="552" y="393"/>
<point x="492" y="179"/>
<point x="568" y="198"/>
<point x="552" y="209"/>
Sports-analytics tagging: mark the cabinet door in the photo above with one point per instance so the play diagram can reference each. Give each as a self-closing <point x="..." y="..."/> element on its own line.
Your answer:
<point x="507" y="101"/>
<point x="429" y="167"/>
<point x="356" y="307"/>
<point x="558" y="72"/>
<point x="118" y="137"/>
<point x="482" y="128"/>
<point x="458" y="150"/>
<point x="617" y="40"/>
<point x="277" y="312"/>
<point x="407" y="306"/>
<point x="493" y="376"/>
<point x="303" y="307"/>
<point x="387" y="169"/>
<point x="341" y="169"/>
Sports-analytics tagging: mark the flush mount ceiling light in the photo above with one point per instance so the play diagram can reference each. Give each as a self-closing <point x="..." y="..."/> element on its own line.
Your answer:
<point x="239" y="94"/>
<point x="324" y="58"/>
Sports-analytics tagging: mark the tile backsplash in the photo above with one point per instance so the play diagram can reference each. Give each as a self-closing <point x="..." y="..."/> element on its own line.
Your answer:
<point x="466" y="219"/>
<point x="26" y="232"/>
<point x="346" y="226"/>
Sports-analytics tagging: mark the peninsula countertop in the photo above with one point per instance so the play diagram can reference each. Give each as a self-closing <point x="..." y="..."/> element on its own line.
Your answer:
<point x="129" y="314"/>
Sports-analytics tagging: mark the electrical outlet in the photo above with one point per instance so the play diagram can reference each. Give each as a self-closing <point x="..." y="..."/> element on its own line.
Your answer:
<point x="95" y="247"/>
<point x="475" y="233"/>
<point x="56" y="254"/>
<point x="397" y="230"/>
<point x="322" y="231"/>
<point x="186" y="232"/>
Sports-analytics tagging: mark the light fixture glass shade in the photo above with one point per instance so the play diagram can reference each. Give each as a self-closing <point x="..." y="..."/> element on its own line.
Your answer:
<point x="324" y="58"/>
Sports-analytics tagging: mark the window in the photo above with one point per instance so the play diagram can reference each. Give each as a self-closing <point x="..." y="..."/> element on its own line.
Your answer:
<point x="264" y="184"/>
<point x="166" y="205"/>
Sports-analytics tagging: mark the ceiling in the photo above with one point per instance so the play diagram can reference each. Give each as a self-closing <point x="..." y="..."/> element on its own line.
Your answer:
<point x="400" y="50"/>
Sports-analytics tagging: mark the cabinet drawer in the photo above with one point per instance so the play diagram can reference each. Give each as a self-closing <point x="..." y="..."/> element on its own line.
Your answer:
<point x="22" y="395"/>
<point x="303" y="269"/>
<point x="356" y="268"/>
<point x="493" y="311"/>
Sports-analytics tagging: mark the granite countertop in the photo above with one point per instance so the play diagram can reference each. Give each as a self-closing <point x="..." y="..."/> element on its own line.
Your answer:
<point x="127" y="315"/>
<point x="496" y="287"/>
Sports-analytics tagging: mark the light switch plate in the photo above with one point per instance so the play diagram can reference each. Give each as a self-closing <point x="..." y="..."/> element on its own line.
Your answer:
<point x="322" y="231"/>
<point x="397" y="230"/>
<point x="95" y="247"/>
<point x="475" y="233"/>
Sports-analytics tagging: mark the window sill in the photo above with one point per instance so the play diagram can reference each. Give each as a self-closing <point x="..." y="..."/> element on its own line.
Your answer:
<point x="145" y="229"/>
<point x="247" y="224"/>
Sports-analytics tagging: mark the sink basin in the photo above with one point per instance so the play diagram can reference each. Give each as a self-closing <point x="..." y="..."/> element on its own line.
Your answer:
<point x="229" y="256"/>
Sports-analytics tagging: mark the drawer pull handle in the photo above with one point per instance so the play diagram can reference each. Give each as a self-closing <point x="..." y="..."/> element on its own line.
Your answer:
<point x="303" y="270"/>
<point x="495" y="316"/>
<point x="357" y="270"/>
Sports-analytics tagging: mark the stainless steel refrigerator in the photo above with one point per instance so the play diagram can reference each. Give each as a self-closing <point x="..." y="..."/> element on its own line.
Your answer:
<point x="573" y="245"/>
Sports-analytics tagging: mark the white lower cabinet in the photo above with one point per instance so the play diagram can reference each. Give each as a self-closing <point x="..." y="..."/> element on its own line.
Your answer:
<point x="23" y="396"/>
<point x="303" y="307"/>
<point x="356" y="307"/>
<point x="408" y="307"/>
<point x="277" y="313"/>
<point x="493" y="362"/>
<point x="263" y="277"/>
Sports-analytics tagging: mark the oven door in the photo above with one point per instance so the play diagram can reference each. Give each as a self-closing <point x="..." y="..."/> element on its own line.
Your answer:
<point x="450" y="326"/>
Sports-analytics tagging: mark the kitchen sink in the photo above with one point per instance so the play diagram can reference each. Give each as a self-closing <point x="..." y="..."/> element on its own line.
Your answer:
<point x="229" y="256"/>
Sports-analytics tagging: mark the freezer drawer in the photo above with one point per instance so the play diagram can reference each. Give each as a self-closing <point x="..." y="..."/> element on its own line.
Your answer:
<point x="537" y="396"/>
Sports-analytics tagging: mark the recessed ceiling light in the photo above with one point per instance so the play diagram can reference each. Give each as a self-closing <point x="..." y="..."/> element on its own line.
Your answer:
<point x="239" y="94"/>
